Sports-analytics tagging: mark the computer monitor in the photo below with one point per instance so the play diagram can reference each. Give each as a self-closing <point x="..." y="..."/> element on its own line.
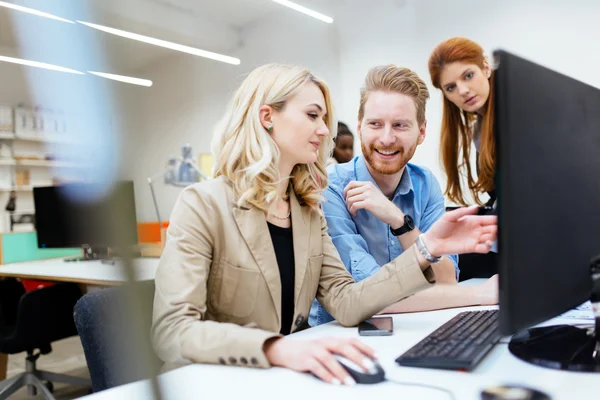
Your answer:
<point x="78" y="214"/>
<point x="548" y="182"/>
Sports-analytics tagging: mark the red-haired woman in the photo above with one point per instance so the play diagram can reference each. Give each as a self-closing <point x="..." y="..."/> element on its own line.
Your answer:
<point x="459" y="68"/>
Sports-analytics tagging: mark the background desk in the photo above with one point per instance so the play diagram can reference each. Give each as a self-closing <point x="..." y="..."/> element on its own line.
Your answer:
<point x="498" y="367"/>
<point x="85" y="272"/>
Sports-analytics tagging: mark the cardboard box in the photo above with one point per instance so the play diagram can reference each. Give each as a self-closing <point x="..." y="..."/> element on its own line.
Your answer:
<point x="22" y="177"/>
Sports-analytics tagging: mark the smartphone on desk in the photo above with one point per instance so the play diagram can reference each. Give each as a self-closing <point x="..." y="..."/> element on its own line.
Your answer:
<point x="376" y="326"/>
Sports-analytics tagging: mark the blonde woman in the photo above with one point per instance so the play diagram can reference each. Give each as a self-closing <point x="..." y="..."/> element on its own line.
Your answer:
<point x="248" y="252"/>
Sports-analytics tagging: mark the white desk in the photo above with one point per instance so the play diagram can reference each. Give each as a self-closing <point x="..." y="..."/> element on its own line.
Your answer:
<point x="85" y="272"/>
<point x="498" y="367"/>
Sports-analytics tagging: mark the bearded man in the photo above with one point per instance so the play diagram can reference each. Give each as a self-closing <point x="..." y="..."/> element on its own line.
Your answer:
<point x="378" y="203"/>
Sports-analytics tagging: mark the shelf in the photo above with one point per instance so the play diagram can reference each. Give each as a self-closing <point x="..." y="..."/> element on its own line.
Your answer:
<point x="35" y="138"/>
<point x="39" y="163"/>
<point x="16" y="188"/>
<point x="45" y="138"/>
<point x="7" y="135"/>
<point x="46" y="163"/>
<point x="7" y="161"/>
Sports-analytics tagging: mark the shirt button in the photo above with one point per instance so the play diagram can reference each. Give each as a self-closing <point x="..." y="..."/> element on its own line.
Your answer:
<point x="222" y="361"/>
<point x="299" y="320"/>
<point x="232" y="360"/>
<point x="244" y="361"/>
<point x="254" y="361"/>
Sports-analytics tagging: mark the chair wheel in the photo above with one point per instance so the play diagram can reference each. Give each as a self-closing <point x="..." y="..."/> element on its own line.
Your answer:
<point x="49" y="386"/>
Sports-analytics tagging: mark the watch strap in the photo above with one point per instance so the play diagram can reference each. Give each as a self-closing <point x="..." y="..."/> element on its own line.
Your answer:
<point x="424" y="252"/>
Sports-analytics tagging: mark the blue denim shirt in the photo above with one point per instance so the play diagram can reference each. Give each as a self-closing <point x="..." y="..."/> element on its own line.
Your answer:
<point x="364" y="242"/>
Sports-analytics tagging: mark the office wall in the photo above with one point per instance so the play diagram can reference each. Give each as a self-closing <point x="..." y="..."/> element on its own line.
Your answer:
<point x="190" y="94"/>
<point x="181" y="107"/>
<point x="12" y="82"/>
<point x="564" y="36"/>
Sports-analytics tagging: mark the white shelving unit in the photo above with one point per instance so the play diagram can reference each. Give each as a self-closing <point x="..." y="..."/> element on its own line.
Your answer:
<point x="35" y="139"/>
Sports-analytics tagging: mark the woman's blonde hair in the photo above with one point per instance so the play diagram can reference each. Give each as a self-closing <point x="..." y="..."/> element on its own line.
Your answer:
<point x="244" y="150"/>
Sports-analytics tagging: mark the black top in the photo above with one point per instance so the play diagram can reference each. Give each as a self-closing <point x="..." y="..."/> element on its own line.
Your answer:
<point x="284" y="252"/>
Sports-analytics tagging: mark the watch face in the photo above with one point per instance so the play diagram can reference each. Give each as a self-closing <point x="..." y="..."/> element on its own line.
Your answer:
<point x="409" y="222"/>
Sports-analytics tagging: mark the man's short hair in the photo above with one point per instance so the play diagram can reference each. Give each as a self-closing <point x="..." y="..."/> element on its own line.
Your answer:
<point x="395" y="79"/>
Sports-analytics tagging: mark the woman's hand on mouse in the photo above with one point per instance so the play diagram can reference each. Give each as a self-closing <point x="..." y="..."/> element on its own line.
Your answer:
<point x="316" y="356"/>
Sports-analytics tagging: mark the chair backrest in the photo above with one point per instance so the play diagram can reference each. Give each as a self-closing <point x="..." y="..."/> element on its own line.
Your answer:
<point x="112" y="349"/>
<point x="11" y="291"/>
<point x="46" y="314"/>
<point x="35" y="319"/>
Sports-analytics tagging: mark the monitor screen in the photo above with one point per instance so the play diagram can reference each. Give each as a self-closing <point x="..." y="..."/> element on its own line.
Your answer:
<point x="73" y="214"/>
<point x="547" y="129"/>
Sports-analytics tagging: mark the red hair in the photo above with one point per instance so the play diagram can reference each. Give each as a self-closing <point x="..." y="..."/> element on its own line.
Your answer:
<point x="457" y="135"/>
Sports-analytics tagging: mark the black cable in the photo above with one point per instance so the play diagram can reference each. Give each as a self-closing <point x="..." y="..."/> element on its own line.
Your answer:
<point x="423" y="385"/>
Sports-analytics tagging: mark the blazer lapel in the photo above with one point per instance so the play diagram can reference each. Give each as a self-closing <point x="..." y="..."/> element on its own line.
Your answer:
<point x="301" y="239"/>
<point x="253" y="226"/>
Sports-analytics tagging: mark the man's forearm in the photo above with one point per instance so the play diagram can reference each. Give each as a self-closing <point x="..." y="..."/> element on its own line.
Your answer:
<point x="409" y="238"/>
<point x="436" y="298"/>
<point x="445" y="271"/>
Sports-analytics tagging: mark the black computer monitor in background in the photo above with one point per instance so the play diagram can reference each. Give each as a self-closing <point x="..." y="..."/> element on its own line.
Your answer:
<point x="548" y="179"/>
<point x="85" y="215"/>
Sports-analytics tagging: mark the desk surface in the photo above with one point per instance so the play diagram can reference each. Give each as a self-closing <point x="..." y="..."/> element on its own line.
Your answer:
<point x="498" y="367"/>
<point x="85" y="272"/>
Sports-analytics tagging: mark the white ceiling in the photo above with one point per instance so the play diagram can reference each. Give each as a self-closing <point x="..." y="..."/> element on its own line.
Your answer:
<point x="236" y="13"/>
<point x="214" y="25"/>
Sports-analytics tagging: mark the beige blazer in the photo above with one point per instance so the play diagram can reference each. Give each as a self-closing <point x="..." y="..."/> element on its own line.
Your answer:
<point x="218" y="290"/>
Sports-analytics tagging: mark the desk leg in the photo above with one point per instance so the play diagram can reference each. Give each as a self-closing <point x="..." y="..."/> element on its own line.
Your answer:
<point x="3" y="366"/>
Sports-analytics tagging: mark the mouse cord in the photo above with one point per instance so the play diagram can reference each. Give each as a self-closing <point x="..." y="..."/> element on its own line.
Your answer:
<point x="423" y="385"/>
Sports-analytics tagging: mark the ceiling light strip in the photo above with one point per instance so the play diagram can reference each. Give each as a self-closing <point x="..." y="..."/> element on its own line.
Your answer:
<point x="33" y="11"/>
<point x="305" y="10"/>
<point x="164" y="43"/>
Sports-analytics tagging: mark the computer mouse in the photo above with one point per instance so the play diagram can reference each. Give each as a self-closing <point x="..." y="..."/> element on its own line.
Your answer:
<point x="375" y="375"/>
<point x="510" y="392"/>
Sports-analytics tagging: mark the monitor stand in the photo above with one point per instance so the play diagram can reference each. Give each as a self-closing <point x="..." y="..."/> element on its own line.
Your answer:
<point x="91" y="253"/>
<point x="565" y="347"/>
<point x="559" y="347"/>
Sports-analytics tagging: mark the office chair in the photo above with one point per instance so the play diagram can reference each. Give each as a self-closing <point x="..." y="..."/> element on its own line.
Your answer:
<point x="113" y="353"/>
<point x="33" y="320"/>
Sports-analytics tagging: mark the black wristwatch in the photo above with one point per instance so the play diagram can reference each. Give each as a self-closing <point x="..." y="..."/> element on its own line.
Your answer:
<point x="408" y="226"/>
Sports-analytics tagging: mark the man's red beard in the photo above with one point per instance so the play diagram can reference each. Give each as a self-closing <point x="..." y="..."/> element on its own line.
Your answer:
<point x="388" y="167"/>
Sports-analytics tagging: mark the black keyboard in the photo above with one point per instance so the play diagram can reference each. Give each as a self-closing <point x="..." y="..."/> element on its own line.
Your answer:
<point x="459" y="344"/>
